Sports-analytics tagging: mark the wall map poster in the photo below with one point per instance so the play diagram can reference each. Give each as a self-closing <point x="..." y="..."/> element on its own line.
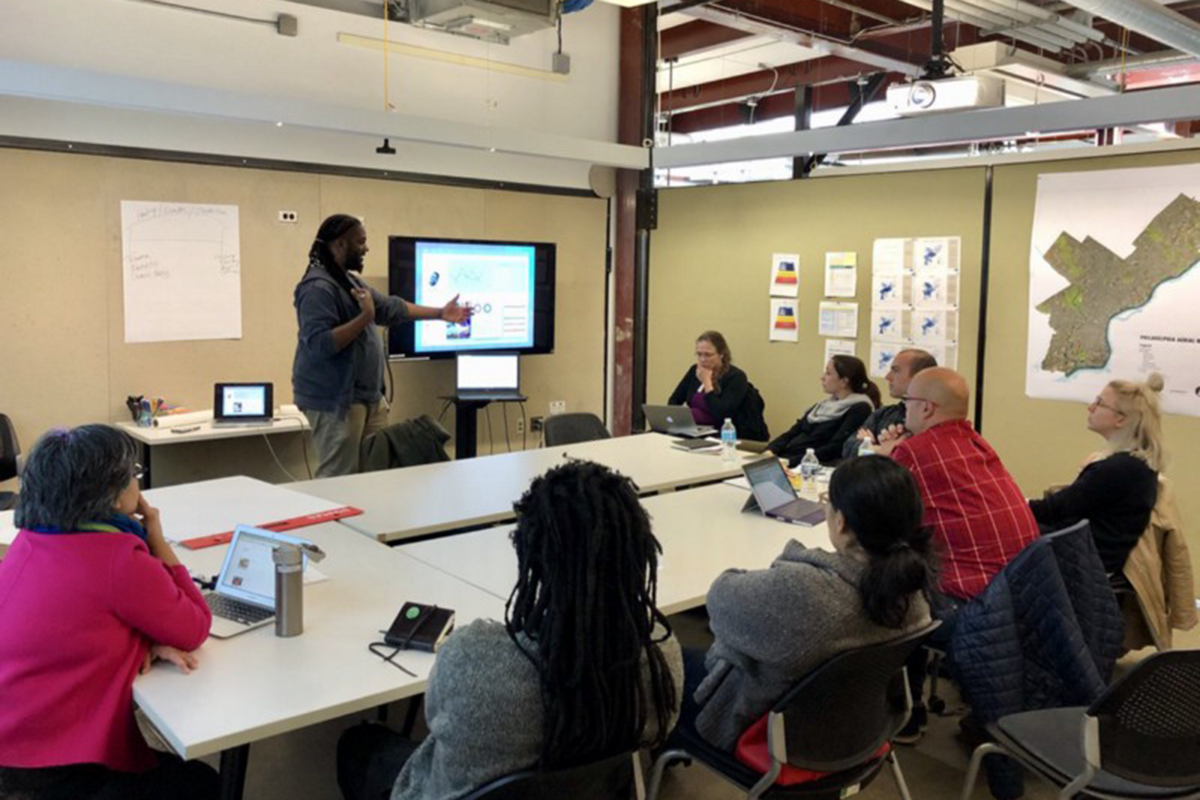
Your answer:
<point x="1114" y="286"/>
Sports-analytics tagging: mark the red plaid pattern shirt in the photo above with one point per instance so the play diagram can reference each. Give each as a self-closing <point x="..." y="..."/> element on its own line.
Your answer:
<point x="979" y="517"/>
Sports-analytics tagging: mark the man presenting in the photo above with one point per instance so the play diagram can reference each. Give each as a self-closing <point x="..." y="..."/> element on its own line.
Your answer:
<point x="337" y="374"/>
<point x="905" y="365"/>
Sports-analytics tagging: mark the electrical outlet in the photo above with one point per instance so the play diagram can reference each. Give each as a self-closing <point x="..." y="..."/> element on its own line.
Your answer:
<point x="288" y="216"/>
<point x="558" y="407"/>
<point x="520" y="425"/>
<point x="536" y="423"/>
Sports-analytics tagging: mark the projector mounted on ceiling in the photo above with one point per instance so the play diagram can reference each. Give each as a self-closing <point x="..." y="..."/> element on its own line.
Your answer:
<point x="496" y="21"/>
<point x="947" y="94"/>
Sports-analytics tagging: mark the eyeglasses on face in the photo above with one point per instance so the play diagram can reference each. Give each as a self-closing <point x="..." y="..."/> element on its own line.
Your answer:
<point x="907" y="397"/>
<point x="1098" y="403"/>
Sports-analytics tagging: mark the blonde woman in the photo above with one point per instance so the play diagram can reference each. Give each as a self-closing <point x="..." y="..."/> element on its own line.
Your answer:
<point x="1115" y="491"/>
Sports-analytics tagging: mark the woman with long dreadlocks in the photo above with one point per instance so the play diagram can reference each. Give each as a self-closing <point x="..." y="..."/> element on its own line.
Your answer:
<point x="337" y="374"/>
<point x="583" y="667"/>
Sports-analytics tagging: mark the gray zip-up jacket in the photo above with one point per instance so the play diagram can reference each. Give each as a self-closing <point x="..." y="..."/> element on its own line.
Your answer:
<point x="773" y="626"/>
<point x="326" y="379"/>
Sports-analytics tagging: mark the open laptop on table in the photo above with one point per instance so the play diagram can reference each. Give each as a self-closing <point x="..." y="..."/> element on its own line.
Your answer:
<point x="488" y="376"/>
<point x="772" y="493"/>
<point x="244" y="596"/>
<point x="675" y="421"/>
<point x="243" y="404"/>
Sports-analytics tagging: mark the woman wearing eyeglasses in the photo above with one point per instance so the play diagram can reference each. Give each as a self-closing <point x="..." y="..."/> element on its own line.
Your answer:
<point x="90" y="595"/>
<point x="1117" y="488"/>
<point x="716" y="390"/>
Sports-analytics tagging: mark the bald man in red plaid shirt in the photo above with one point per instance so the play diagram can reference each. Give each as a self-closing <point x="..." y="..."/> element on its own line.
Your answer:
<point x="979" y="517"/>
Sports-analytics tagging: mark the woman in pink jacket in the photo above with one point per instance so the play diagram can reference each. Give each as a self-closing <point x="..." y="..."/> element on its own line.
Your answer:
<point x="90" y="594"/>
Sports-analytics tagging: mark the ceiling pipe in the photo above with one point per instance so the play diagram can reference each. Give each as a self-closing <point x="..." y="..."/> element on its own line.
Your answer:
<point x="961" y="13"/>
<point x="1149" y="19"/>
<point x="1165" y="58"/>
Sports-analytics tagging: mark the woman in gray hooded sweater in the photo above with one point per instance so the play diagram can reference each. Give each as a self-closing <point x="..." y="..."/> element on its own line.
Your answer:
<point x="774" y="626"/>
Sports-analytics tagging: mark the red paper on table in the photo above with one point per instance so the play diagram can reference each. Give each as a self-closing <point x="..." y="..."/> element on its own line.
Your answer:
<point x="200" y="542"/>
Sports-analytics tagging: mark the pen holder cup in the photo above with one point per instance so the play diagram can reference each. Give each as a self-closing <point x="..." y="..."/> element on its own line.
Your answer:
<point x="144" y="418"/>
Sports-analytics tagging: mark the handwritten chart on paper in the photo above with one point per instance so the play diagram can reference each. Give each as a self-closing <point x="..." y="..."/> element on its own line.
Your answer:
<point x="182" y="271"/>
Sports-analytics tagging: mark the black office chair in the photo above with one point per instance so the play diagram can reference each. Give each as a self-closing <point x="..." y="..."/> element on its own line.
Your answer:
<point x="609" y="779"/>
<point x="834" y="720"/>
<point x="573" y="428"/>
<point x="1139" y="740"/>
<point x="10" y="449"/>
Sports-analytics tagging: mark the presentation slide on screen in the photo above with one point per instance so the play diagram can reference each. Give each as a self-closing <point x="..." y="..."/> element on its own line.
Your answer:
<point x="496" y="281"/>
<point x="250" y="401"/>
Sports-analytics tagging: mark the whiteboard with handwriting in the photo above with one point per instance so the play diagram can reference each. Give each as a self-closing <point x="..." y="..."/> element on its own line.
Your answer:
<point x="182" y="271"/>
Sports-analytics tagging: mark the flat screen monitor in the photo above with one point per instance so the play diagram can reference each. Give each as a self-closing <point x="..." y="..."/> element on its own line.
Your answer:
<point x="508" y="285"/>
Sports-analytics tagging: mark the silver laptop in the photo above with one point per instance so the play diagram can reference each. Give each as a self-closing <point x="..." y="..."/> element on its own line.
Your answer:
<point x="675" y="420"/>
<point x="774" y="495"/>
<point x="244" y="597"/>
<point x="243" y="404"/>
<point x="488" y="376"/>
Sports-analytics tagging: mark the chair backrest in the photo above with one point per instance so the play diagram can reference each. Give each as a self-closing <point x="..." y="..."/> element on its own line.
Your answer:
<point x="573" y="428"/>
<point x="839" y="714"/>
<point x="1148" y="723"/>
<point x="9" y="449"/>
<point x="608" y="779"/>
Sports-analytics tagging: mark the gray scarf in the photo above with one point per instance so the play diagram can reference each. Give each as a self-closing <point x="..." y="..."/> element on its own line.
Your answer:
<point x="832" y="408"/>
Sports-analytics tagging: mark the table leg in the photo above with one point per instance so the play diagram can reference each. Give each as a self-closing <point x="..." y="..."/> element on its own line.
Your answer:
<point x="410" y="718"/>
<point x="233" y="771"/>
<point x="146" y="466"/>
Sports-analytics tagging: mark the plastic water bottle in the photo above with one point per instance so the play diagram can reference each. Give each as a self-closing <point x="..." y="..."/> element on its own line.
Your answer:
<point x="728" y="441"/>
<point x="809" y="467"/>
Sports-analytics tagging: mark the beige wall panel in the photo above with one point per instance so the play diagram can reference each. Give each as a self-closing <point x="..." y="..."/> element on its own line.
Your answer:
<point x="53" y="294"/>
<point x="1044" y="441"/>
<point x="61" y="309"/>
<point x="711" y="259"/>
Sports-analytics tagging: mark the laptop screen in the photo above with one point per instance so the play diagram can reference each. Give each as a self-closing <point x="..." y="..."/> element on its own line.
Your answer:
<point x="487" y="372"/>
<point x="249" y="569"/>
<point x="243" y="401"/>
<point x="769" y="483"/>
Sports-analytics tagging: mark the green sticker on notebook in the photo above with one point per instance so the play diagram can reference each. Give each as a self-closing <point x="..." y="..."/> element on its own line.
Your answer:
<point x="413" y="612"/>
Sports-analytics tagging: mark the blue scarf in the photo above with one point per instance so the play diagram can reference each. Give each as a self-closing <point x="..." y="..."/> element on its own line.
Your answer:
<point x="117" y="523"/>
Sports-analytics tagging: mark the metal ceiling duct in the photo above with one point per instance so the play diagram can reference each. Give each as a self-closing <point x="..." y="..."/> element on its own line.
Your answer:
<point x="1149" y="19"/>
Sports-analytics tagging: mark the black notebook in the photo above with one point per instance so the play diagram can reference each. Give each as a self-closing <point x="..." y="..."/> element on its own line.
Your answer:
<point x="420" y="627"/>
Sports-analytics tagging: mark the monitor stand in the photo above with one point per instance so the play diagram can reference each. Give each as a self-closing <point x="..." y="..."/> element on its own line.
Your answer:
<point x="466" y="424"/>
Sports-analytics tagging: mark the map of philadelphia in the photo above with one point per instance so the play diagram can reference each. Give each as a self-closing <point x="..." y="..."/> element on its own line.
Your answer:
<point x="1102" y="285"/>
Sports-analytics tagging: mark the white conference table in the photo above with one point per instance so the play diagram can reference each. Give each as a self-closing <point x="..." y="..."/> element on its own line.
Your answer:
<point x="435" y="498"/>
<point x="703" y="532"/>
<point x="179" y="432"/>
<point x="256" y="684"/>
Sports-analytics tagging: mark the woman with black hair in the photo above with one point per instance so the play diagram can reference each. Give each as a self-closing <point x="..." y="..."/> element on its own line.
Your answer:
<point x="584" y="666"/>
<point x="774" y="626"/>
<point x="826" y="426"/>
<point x="90" y="595"/>
<point x="337" y="373"/>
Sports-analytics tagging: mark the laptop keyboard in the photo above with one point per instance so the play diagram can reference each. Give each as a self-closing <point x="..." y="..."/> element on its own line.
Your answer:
<point x="236" y="610"/>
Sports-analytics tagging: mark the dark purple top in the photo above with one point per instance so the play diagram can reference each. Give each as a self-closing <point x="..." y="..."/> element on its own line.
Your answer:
<point x="698" y="402"/>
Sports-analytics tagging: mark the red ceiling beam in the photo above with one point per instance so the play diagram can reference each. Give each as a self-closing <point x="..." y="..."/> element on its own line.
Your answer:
<point x="801" y="73"/>
<point x="695" y="37"/>
<point x="777" y="105"/>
